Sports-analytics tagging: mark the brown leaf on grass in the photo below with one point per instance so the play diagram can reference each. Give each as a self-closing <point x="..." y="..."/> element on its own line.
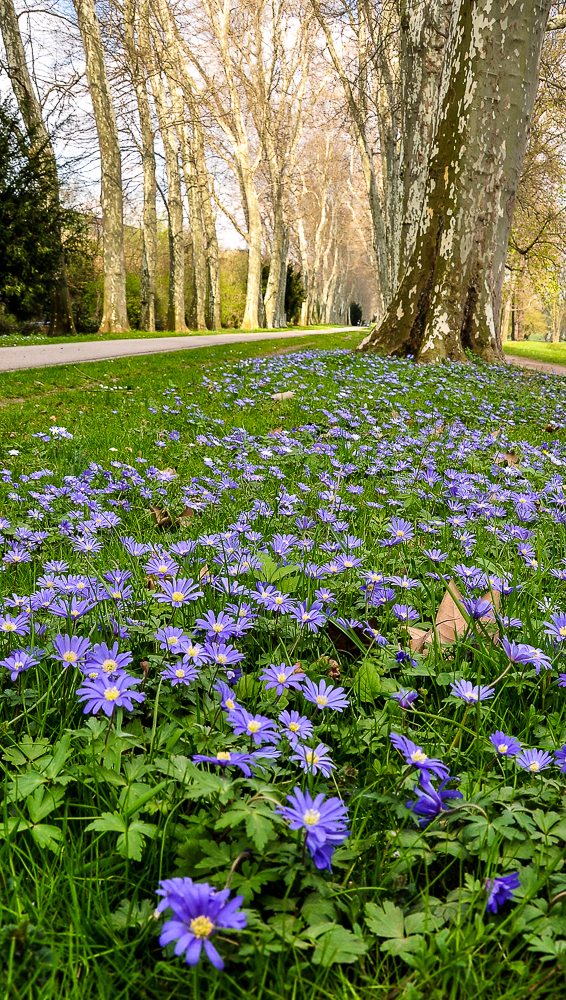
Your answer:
<point x="450" y="623"/>
<point x="187" y="514"/>
<point x="276" y="431"/>
<point x="150" y="582"/>
<point x="418" y="638"/>
<point x="204" y="574"/>
<point x="507" y="456"/>
<point x="332" y="667"/>
<point x="494" y="598"/>
<point x="161" y="516"/>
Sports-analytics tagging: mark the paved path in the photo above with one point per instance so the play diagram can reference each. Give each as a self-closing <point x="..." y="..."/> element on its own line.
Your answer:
<point x="40" y="355"/>
<point x="536" y="366"/>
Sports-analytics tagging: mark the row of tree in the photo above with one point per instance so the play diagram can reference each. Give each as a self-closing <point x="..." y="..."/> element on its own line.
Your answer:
<point x="219" y="129"/>
<point x="379" y="145"/>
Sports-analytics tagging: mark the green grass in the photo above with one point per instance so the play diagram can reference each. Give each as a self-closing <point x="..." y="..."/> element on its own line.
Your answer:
<point x="364" y="438"/>
<point x="16" y="340"/>
<point x="553" y="353"/>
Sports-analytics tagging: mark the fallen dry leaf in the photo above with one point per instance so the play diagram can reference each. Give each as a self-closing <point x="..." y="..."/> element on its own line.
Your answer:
<point x="161" y="516"/>
<point x="450" y="623"/>
<point x="418" y="638"/>
<point x="187" y="514"/>
<point x="507" y="456"/>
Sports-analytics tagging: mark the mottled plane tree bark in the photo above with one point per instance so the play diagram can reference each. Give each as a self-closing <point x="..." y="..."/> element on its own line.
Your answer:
<point x="61" y="319"/>
<point x="114" y="313"/>
<point x="136" y="40"/>
<point x="448" y="299"/>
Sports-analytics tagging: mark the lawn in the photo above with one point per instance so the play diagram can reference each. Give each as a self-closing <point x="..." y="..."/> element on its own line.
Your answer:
<point x="537" y="351"/>
<point x="289" y="624"/>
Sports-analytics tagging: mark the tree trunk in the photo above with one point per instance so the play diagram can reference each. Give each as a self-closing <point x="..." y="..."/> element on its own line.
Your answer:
<point x="506" y="316"/>
<point x="114" y="312"/>
<point x="519" y="303"/>
<point x="277" y="267"/>
<point x="61" y="320"/>
<point x="149" y="225"/>
<point x="424" y="27"/>
<point x="176" y="314"/>
<point x="449" y="298"/>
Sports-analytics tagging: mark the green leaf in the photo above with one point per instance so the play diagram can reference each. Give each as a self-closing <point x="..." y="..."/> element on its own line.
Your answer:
<point x="47" y="836"/>
<point x="130" y="844"/>
<point x="42" y="802"/>
<point x="259" y="829"/>
<point x="24" y="785"/>
<point x="336" y="945"/>
<point x="367" y="682"/>
<point x="400" y="946"/>
<point x="108" y="823"/>
<point x="385" y="921"/>
<point x="132" y="914"/>
<point x="52" y="767"/>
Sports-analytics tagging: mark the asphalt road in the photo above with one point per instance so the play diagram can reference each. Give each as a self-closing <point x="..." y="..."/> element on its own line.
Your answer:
<point x="40" y="355"/>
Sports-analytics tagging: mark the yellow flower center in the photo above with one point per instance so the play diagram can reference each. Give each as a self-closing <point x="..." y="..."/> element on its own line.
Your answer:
<point x="311" y="817"/>
<point x="311" y="757"/>
<point x="221" y="658"/>
<point x="281" y="678"/>
<point x="117" y="594"/>
<point x="400" y="534"/>
<point x="162" y="568"/>
<point x="253" y="726"/>
<point x="294" y="727"/>
<point x="18" y="665"/>
<point x="111" y="694"/>
<point x="178" y="596"/>
<point x="173" y="640"/>
<point x="562" y="630"/>
<point x="70" y="657"/>
<point x="306" y="616"/>
<point x="192" y="651"/>
<point x="534" y="765"/>
<point x="418" y="757"/>
<point x="201" y="927"/>
<point x="8" y="627"/>
<point x="321" y="700"/>
<point x="230" y="704"/>
<point x="180" y="672"/>
<point x="223" y="755"/>
<point x="502" y="748"/>
<point x="109" y="666"/>
<point x="279" y="600"/>
<point x="74" y="614"/>
<point x="217" y="627"/>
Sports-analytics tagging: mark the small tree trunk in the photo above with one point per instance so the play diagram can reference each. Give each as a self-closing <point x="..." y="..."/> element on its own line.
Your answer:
<point x="449" y="298"/>
<point x="251" y="318"/>
<point x="114" y="312"/>
<point x="61" y="321"/>
<point x="506" y="316"/>
<point x="176" y="315"/>
<point x="519" y="313"/>
<point x="277" y="267"/>
<point x="149" y="225"/>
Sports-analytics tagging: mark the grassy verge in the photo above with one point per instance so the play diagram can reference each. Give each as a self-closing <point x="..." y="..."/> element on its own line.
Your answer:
<point x="303" y="532"/>
<point x="17" y="341"/>
<point x="553" y="353"/>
